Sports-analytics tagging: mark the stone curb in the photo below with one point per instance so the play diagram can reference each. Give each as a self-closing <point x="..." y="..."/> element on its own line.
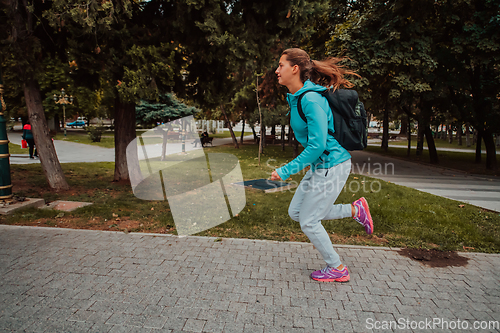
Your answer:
<point x="346" y="246"/>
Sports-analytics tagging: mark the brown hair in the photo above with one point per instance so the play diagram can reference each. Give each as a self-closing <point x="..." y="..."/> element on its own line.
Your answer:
<point x="327" y="73"/>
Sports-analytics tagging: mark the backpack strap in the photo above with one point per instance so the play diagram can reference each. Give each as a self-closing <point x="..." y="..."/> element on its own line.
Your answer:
<point x="299" y="106"/>
<point x="303" y="116"/>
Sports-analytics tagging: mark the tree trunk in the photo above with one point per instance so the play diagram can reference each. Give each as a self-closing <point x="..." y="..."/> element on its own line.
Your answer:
<point x="164" y="137"/>
<point x="408" y="152"/>
<point x="263" y="136"/>
<point x="255" y="137"/>
<point x="467" y="135"/>
<point x="124" y="134"/>
<point x="242" y="132"/>
<point x="450" y="133"/>
<point x="459" y="133"/>
<point x="57" y="124"/>
<point x="46" y="151"/>
<point x="261" y="141"/>
<point x="385" y="133"/>
<point x="478" y="146"/>
<point x="290" y="135"/>
<point x="22" y="27"/>
<point x="431" y="145"/>
<point x="420" y="138"/>
<point x="404" y="126"/>
<point x="235" y="142"/>
<point x="489" y="144"/>
<point x="283" y="137"/>
<point x="295" y="146"/>
<point x="273" y="133"/>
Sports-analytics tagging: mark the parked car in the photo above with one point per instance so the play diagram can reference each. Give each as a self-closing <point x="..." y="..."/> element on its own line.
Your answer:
<point x="76" y="123"/>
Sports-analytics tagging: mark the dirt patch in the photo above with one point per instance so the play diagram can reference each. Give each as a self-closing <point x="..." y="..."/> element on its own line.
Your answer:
<point x="435" y="258"/>
<point x="120" y="224"/>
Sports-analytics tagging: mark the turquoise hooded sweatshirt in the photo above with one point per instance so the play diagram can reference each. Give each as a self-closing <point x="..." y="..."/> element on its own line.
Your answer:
<point x="313" y="135"/>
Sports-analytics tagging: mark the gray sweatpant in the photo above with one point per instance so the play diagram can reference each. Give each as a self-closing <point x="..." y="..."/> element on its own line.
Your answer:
<point x="314" y="201"/>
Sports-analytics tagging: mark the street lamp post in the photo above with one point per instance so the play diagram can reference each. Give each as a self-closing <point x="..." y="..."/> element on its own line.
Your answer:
<point x="63" y="99"/>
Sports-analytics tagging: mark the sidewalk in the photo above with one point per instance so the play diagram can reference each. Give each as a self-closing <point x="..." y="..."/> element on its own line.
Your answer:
<point x="60" y="280"/>
<point x="71" y="152"/>
<point x="67" y="152"/>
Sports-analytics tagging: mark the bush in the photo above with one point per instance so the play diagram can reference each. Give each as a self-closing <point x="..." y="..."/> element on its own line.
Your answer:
<point x="95" y="132"/>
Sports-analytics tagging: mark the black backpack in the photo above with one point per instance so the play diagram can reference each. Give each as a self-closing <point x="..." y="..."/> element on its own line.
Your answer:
<point x="349" y="117"/>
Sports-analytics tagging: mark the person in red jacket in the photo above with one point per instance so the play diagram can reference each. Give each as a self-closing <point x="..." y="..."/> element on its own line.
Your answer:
<point x="28" y="136"/>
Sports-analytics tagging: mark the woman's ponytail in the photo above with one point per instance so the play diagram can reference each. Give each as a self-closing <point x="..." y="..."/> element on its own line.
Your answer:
<point x="327" y="73"/>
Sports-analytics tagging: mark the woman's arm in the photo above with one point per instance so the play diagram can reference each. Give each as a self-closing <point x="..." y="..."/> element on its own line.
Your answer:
<point x="317" y="134"/>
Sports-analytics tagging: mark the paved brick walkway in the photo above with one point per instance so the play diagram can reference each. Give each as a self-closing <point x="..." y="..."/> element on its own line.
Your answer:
<point x="59" y="280"/>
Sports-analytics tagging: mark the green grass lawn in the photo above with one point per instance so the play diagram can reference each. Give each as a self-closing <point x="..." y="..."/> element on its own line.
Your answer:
<point x="16" y="149"/>
<point x="440" y="143"/>
<point x="403" y="217"/>
<point x="107" y="138"/>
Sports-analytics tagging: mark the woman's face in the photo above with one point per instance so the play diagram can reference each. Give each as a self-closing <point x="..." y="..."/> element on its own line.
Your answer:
<point x="286" y="71"/>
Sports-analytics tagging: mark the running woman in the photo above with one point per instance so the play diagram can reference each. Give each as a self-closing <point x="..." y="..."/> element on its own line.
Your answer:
<point x="330" y="163"/>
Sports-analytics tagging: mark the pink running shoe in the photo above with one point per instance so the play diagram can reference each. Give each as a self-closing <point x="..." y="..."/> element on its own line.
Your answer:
<point x="330" y="274"/>
<point x="364" y="217"/>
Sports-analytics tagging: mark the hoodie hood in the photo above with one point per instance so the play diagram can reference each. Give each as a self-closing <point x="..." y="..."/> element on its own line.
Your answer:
<point x="308" y="86"/>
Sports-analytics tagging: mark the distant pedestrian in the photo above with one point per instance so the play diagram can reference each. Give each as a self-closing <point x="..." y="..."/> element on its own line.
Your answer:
<point x="28" y="136"/>
<point x="330" y="163"/>
<point x="204" y="138"/>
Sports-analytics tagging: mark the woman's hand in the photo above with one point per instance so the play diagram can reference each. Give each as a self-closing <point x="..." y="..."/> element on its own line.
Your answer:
<point x="275" y="176"/>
